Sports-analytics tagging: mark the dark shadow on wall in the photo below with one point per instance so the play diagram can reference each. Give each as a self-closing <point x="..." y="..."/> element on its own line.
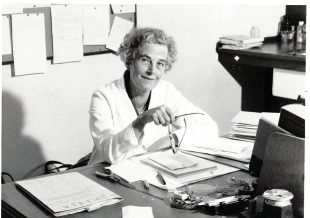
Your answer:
<point x="21" y="154"/>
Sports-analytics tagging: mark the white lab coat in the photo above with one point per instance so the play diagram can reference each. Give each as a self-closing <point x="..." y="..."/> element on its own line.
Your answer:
<point x="112" y="113"/>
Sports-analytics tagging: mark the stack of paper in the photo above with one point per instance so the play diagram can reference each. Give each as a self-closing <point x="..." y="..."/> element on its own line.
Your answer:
<point x="177" y="164"/>
<point x="240" y="42"/>
<point x="245" y="124"/>
<point x="68" y="193"/>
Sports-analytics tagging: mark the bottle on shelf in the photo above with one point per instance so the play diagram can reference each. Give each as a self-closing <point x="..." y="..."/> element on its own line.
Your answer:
<point x="299" y="33"/>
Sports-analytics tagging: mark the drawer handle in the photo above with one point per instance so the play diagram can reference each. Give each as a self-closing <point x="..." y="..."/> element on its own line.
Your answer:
<point x="236" y="58"/>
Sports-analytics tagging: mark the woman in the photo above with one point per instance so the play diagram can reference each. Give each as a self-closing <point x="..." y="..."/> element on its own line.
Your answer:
<point x="131" y="115"/>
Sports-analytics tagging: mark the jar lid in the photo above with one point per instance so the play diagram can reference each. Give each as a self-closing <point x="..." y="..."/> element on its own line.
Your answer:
<point x="278" y="195"/>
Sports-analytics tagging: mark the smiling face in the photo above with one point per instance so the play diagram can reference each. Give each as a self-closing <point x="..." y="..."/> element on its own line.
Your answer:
<point x="148" y="68"/>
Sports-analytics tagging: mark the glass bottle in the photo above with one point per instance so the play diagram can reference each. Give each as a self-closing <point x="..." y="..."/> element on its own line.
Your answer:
<point x="299" y="34"/>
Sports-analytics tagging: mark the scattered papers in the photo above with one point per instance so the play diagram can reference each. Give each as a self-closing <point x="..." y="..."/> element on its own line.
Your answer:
<point x="137" y="212"/>
<point x="118" y="31"/>
<point x="134" y="169"/>
<point x="96" y="24"/>
<point x="68" y="193"/>
<point x="245" y="124"/>
<point x="29" y="49"/>
<point x="67" y="33"/>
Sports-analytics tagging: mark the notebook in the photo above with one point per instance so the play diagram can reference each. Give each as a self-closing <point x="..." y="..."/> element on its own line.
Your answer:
<point x="179" y="164"/>
<point x="68" y="193"/>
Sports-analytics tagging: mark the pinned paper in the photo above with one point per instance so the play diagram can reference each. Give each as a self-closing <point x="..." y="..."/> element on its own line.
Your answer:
<point x="96" y="24"/>
<point x="6" y="35"/>
<point x="28" y="31"/>
<point x="67" y="33"/>
<point x="118" y="9"/>
<point x="12" y="9"/>
<point x="119" y="29"/>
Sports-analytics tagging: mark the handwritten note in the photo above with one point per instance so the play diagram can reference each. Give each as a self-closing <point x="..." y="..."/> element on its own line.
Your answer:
<point x="67" y="33"/>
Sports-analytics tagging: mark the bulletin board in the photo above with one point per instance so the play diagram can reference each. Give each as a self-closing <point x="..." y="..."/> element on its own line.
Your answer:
<point x="87" y="49"/>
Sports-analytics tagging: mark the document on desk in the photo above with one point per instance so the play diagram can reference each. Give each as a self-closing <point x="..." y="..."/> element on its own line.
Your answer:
<point x="225" y="147"/>
<point x="134" y="169"/>
<point x="68" y="193"/>
<point x="137" y="212"/>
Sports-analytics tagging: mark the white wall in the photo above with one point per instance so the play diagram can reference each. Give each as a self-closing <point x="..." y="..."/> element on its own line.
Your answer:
<point x="45" y="116"/>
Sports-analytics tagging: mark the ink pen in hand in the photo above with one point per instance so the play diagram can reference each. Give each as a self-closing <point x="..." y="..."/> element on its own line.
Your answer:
<point x="160" y="178"/>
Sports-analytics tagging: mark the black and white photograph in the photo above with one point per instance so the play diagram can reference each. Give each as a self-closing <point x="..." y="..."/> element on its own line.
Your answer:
<point x="154" y="109"/>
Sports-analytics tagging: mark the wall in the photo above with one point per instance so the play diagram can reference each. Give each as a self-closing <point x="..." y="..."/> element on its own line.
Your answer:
<point x="45" y="116"/>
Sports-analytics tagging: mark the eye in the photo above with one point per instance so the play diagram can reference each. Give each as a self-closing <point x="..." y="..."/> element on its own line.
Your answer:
<point x="145" y="60"/>
<point x="161" y="64"/>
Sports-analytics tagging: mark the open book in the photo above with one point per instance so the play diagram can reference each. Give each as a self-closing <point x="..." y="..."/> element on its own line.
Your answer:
<point x="68" y="193"/>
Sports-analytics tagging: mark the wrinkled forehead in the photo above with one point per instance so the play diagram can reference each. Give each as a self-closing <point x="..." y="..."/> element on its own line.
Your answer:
<point x="153" y="50"/>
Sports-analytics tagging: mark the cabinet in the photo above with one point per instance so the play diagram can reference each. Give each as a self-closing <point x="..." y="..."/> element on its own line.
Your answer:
<point x="253" y="70"/>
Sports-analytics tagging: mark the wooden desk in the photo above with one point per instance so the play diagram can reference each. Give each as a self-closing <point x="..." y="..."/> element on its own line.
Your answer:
<point x="253" y="70"/>
<point x="16" y="204"/>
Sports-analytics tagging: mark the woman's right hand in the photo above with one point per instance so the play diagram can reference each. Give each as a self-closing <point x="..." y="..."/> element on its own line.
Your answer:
<point x="161" y="115"/>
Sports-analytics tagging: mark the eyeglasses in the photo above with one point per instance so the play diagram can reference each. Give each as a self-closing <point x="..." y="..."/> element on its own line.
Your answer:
<point x="172" y="137"/>
<point x="175" y="145"/>
<point x="148" y="63"/>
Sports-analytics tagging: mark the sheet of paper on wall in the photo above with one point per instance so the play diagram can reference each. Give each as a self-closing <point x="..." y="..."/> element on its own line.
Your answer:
<point x="137" y="212"/>
<point x="119" y="29"/>
<point x="67" y="33"/>
<point x="288" y="83"/>
<point x="96" y="24"/>
<point x="28" y="38"/>
<point x="6" y="35"/>
<point x="118" y="9"/>
<point x="12" y="8"/>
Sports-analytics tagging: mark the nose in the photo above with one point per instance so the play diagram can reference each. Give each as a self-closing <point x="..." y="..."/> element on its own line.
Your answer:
<point x="152" y="69"/>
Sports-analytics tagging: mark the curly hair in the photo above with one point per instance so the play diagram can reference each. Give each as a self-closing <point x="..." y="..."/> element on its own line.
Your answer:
<point x="136" y="38"/>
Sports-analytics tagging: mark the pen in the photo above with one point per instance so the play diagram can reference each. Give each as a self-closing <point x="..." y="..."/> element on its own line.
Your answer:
<point x="160" y="178"/>
<point x="146" y="184"/>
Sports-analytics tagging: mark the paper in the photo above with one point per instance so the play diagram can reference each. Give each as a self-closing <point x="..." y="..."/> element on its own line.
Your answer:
<point x="137" y="212"/>
<point x="118" y="9"/>
<point x="28" y="37"/>
<point x="67" y="33"/>
<point x="288" y="83"/>
<point x="96" y="24"/>
<point x="68" y="193"/>
<point x="6" y="36"/>
<point x="12" y="9"/>
<point x="134" y="170"/>
<point x="252" y="118"/>
<point x="172" y="161"/>
<point x="118" y="31"/>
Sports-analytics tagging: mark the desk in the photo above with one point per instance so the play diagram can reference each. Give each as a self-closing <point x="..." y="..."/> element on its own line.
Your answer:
<point x="17" y="204"/>
<point x="253" y="70"/>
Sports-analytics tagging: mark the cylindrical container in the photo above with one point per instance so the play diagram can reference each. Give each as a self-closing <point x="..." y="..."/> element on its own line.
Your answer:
<point x="277" y="204"/>
<point x="299" y="32"/>
<point x="254" y="33"/>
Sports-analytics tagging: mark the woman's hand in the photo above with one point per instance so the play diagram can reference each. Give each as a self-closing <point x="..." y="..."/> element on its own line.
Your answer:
<point x="161" y="115"/>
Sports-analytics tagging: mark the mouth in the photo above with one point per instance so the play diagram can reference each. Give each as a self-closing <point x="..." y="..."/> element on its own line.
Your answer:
<point x="148" y="78"/>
